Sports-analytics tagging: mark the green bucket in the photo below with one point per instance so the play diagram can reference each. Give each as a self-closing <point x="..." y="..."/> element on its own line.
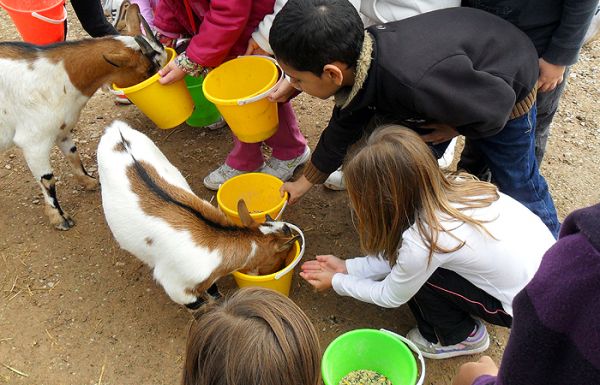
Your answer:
<point x="368" y="349"/>
<point x="205" y="112"/>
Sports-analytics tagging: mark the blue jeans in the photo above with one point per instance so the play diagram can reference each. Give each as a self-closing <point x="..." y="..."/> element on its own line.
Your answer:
<point x="510" y="155"/>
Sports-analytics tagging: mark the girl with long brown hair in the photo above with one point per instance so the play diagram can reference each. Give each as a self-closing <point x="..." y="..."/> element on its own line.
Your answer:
<point x="449" y="245"/>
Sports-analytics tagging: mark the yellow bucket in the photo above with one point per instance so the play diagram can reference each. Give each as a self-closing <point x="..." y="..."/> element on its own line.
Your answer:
<point x="259" y="191"/>
<point x="239" y="89"/>
<point x="280" y="281"/>
<point x="166" y="105"/>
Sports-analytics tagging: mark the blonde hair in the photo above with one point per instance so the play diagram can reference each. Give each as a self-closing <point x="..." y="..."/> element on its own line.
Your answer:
<point x="394" y="181"/>
<point x="255" y="337"/>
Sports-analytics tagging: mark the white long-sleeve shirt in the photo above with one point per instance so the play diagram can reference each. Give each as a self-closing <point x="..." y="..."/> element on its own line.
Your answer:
<point x="501" y="267"/>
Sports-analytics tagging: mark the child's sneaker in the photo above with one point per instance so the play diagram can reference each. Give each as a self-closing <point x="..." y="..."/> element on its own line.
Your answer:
<point x="477" y="342"/>
<point x="284" y="169"/>
<point x="220" y="175"/>
<point x="335" y="181"/>
<point x="220" y="123"/>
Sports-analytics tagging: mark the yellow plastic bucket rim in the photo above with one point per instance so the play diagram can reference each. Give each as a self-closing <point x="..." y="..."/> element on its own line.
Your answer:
<point x="258" y="95"/>
<point x="278" y="274"/>
<point x="136" y="87"/>
<point x="280" y="206"/>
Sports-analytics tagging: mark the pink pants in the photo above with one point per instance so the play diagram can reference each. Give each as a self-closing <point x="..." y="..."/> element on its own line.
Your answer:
<point x="287" y="143"/>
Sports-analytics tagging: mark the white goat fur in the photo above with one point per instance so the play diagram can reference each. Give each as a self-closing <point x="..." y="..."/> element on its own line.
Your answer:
<point x="180" y="263"/>
<point x="41" y="98"/>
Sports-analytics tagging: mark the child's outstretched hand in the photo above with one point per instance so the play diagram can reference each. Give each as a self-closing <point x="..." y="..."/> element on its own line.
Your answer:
<point x="470" y="371"/>
<point x="296" y="189"/>
<point x="170" y="73"/>
<point x="441" y="133"/>
<point x="319" y="272"/>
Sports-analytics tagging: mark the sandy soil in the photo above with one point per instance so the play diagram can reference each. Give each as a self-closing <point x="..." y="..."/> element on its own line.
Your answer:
<point x="75" y="309"/>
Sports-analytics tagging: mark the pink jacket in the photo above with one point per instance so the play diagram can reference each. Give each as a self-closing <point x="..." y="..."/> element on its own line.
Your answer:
<point x="224" y="26"/>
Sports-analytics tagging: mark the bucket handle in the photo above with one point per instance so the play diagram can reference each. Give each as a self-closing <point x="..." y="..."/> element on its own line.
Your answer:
<point x="282" y="210"/>
<point x="414" y="348"/>
<point x="51" y="21"/>
<point x="298" y="258"/>
<point x="242" y="102"/>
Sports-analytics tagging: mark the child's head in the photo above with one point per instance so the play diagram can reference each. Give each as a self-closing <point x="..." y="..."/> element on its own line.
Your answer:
<point x="255" y="337"/>
<point x="394" y="181"/>
<point x="316" y="41"/>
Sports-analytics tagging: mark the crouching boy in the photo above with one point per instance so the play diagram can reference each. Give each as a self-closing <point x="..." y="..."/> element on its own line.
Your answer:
<point x="443" y="73"/>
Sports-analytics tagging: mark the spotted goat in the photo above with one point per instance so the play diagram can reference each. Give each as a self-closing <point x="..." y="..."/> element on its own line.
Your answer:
<point x="189" y="243"/>
<point x="44" y="88"/>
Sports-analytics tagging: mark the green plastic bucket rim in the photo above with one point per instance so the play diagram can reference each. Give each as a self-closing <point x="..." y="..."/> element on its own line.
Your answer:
<point x="411" y="345"/>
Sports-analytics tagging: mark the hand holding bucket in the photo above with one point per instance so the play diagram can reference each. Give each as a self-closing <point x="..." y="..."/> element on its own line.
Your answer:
<point x="239" y="88"/>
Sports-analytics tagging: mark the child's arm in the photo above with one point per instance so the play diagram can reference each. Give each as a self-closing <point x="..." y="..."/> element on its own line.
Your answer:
<point x="261" y="35"/>
<point x="478" y="104"/>
<point x="482" y="372"/>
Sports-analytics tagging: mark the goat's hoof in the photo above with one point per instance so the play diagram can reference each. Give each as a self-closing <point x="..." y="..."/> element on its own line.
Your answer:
<point x="65" y="224"/>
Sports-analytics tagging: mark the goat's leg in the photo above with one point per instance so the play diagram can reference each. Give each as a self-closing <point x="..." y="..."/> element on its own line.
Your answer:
<point x="169" y="280"/>
<point x="68" y="148"/>
<point x="38" y="160"/>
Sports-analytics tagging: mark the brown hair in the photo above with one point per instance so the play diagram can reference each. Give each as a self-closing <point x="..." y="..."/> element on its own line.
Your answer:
<point x="255" y="337"/>
<point x="394" y="181"/>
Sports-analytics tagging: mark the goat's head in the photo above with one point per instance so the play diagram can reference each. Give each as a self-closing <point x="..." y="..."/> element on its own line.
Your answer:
<point x="275" y="244"/>
<point x="153" y="55"/>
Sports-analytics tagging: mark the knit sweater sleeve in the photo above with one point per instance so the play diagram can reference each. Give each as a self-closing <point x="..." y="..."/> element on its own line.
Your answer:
<point x="567" y="39"/>
<point x="477" y="103"/>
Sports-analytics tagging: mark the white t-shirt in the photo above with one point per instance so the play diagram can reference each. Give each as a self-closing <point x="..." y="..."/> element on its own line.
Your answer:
<point x="501" y="267"/>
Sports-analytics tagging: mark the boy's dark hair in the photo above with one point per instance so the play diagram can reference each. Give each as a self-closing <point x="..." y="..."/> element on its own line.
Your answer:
<point x="308" y="34"/>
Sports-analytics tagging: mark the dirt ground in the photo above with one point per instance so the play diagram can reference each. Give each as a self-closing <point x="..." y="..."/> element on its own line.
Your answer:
<point x="75" y="309"/>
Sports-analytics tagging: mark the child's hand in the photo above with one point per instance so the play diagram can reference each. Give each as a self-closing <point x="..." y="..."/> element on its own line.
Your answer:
<point x="469" y="372"/>
<point x="296" y="189"/>
<point x="254" y="48"/>
<point x="320" y="280"/>
<point x="283" y="92"/>
<point x="551" y="75"/>
<point x="329" y="263"/>
<point x="170" y="73"/>
<point x="441" y="133"/>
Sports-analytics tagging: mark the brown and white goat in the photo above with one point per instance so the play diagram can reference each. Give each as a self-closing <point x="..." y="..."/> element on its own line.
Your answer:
<point x="153" y="213"/>
<point x="44" y="88"/>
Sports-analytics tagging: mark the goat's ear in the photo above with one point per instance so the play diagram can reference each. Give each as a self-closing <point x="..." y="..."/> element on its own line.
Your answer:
<point x="132" y="23"/>
<point x="289" y="243"/>
<point x="244" y="214"/>
<point x="117" y="59"/>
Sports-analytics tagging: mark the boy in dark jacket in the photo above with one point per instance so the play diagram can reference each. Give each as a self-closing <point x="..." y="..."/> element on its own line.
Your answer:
<point x="555" y="338"/>
<point x="443" y="73"/>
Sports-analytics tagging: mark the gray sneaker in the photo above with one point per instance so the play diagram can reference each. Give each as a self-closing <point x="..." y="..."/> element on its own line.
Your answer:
<point x="477" y="343"/>
<point x="220" y="175"/>
<point x="284" y="169"/>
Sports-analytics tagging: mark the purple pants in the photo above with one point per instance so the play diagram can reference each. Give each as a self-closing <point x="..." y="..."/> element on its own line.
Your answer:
<point x="287" y="143"/>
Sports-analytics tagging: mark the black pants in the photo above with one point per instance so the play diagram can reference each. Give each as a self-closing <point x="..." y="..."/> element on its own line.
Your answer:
<point x="92" y="19"/>
<point x="445" y="304"/>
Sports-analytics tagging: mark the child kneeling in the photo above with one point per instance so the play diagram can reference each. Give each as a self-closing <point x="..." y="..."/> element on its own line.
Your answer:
<point x="452" y="247"/>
